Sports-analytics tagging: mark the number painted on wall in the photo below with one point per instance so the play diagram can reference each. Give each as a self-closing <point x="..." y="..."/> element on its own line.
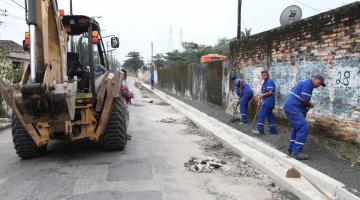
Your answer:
<point x="343" y="78"/>
<point x="347" y="78"/>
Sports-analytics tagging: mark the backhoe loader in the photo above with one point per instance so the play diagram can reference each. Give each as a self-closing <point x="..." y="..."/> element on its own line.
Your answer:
<point x="65" y="94"/>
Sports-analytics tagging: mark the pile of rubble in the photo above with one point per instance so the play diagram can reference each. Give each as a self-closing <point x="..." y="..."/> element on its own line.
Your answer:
<point x="191" y="128"/>
<point x="168" y="120"/>
<point x="203" y="165"/>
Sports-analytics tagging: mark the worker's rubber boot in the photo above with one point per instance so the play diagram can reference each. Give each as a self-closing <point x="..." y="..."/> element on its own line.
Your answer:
<point x="289" y="152"/>
<point x="258" y="133"/>
<point x="300" y="156"/>
<point x="271" y="133"/>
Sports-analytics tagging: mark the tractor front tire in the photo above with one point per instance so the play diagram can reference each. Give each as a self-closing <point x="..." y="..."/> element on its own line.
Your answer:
<point x="115" y="138"/>
<point x="24" y="145"/>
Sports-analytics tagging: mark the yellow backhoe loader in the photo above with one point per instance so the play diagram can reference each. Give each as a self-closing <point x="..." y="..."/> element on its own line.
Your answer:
<point x="65" y="93"/>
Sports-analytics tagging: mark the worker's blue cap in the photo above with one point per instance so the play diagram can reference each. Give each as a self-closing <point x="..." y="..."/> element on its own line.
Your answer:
<point x="319" y="77"/>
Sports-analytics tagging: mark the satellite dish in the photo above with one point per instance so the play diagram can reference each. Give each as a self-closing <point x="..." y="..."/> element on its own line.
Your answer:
<point x="290" y="14"/>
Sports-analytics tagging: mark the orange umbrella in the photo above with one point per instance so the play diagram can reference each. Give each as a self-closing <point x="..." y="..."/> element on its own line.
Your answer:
<point x="212" y="57"/>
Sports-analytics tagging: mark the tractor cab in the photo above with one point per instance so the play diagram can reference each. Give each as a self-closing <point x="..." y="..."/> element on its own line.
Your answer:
<point x="87" y="56"/>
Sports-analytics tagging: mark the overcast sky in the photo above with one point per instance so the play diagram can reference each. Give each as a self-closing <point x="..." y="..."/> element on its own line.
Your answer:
<point x="138" y="22"/>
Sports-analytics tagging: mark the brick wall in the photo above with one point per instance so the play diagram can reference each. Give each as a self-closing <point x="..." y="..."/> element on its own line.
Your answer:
<point x="329" y="44"/>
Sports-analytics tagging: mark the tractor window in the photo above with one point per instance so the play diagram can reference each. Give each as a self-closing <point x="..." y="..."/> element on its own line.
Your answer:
<point x="83" y="50"/>
<point x="96" y="58"/>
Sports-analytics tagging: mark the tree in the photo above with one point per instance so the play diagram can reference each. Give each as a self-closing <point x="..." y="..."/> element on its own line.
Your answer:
<point x="159" y="61"/>
<point x="8" y="72"/>
<point x="134" y="62"/>
<point x="2" y="57"/>
<point x="193" y="51"/>
<point x="173" y="59"/>
<point x="223" y="46"/>
<point x="246" y="33"/>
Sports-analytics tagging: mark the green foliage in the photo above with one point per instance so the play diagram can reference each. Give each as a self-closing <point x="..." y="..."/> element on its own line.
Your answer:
<point x="159" y="61"/>
<point x="11" y="75"/>
<point x="8" y="72"/>
<point x="134" y="62"/>
<point x="193" y="51"/>
<point x="246" y="33"/>
<point x="2" y="57"/>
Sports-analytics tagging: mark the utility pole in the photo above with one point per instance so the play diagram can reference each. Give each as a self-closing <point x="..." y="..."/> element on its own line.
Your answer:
<point x="152" y="52"/>
<point x="239" y="20"/>
<point x="181" y="39"/>
<point x="72" y="47"/>
<point x="71" y="7"/>
<point x="26" y="11"/>
<point x="109" y="59"/>
<point x="171" y="40"/>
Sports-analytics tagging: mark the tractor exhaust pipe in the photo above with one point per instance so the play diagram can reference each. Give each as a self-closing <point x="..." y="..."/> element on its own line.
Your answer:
<point x="32" y="53"/>
<point x="32" y="23"/>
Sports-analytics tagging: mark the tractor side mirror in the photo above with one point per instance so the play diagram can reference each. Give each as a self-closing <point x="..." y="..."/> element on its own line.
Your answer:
<point x="115" y="42"/>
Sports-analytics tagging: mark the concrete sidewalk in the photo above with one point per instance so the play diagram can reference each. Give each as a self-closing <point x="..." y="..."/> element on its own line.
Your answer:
<point x="312" y="185"/>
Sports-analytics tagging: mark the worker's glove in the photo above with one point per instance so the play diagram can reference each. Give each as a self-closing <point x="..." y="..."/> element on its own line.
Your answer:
<point x="312" y="104"/>
<point x="131" y="95"/>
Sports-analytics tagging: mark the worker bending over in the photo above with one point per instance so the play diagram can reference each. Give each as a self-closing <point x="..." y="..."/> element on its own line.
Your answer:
<point x="267" y="103"/>
<point x="296" y="107"/>
<point x="245" y="93"/>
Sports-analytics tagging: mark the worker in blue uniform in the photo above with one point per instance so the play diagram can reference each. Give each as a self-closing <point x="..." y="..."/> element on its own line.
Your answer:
<point x="267" y="104"/>
<point x="245" y="93"/>
<point x="296" y="107"/>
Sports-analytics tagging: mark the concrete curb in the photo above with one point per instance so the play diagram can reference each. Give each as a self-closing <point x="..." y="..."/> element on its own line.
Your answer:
<point x="271" y="161"/>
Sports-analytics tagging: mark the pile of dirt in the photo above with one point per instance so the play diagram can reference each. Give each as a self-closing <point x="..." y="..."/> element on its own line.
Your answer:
<point x="191" y="128"/>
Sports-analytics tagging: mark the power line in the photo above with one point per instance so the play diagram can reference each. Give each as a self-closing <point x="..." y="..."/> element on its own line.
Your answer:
<point x="14" y="14"/>
<point x="4" y="13"/>
<point x="21" y="2"/>
<point x="307" y="6"/>
<point x="17" y="4"/>
<point x="12" y="5"/>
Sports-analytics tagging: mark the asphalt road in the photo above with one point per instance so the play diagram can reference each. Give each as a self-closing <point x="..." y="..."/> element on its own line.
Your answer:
<point x="151" y="167"/>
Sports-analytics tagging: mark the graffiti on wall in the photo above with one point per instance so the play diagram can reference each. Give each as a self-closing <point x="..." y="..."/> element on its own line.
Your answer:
<point x="340" y="97"/>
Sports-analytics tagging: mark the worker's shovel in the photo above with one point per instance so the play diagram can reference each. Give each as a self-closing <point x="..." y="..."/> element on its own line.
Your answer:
<point x="233" y="116"/>
<point x="256" y="114"/>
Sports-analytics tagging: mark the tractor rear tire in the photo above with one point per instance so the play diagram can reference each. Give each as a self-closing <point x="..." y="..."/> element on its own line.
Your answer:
<point x="115" y="138"/>
<point x="24" y="145"/>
